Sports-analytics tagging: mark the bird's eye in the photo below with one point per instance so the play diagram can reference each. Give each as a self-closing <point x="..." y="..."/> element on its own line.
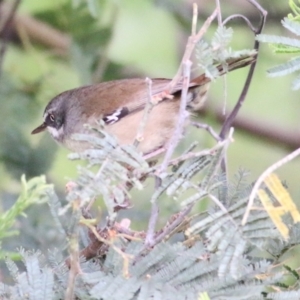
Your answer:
<point x="51" y="118"/>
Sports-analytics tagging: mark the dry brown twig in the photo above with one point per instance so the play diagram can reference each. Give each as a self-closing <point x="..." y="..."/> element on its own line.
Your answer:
<point x="73" y="261"/>
<point x="191" y="44"/>
<point x="100" y="241"/>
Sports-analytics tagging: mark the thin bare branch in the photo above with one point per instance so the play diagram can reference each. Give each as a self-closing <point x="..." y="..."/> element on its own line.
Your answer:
<point x="149" y="106"/>
<point x="153" y="217"/>
<point x="73" y="261"/>
<point x="195" y="18"/>
<point x="170" y="227"/>
<point x="208" y="128"/>
<point x="239" y="16"/>
<point x="218" y="5"/>
<point x="182" y="116"/>
<point x="192" y="42"/>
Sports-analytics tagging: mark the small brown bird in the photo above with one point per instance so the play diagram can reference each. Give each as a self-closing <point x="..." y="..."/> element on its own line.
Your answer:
<point x="120" y="104"/>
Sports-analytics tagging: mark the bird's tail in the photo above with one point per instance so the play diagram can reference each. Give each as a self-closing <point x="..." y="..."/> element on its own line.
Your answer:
<point x="230" y="65"/>
<point x="200" y="84"/>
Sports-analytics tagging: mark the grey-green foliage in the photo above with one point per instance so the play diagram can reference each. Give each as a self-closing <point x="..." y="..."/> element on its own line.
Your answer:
<point x="106" y="181"/>
<point x="217" y="50"/>
<point x="283" y="44"/>
<point x="36" y="283"/>
<point x="215" y="256"/>
<point x="167" y="272"/>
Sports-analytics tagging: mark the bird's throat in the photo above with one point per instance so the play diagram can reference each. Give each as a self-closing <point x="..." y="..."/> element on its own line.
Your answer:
<point x="57" y="134"/>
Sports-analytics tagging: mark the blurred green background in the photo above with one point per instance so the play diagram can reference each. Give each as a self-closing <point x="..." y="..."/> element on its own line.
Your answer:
<point x="56" y="45"/>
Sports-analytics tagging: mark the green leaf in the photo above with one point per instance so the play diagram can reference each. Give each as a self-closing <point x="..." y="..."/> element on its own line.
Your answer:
<point x="33" y="191"/>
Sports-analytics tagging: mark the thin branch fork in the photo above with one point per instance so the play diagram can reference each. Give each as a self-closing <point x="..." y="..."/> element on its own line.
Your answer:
<point x="184" y="72"/>
<point x="182" y="116"/>
<point x="232" y="116"/>
<point x="230" y="119"/>
<point x="153" y="217"/>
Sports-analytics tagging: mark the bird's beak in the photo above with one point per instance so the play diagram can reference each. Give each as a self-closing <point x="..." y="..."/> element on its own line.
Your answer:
<point x="39" y="128"/>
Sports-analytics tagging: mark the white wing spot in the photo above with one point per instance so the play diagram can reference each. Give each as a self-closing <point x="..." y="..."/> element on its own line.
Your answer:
<point x="115" y="116"/>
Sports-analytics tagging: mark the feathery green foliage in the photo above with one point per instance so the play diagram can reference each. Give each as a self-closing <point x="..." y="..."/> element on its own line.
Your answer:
<point x="218" y="50"/>
<point x="33" y="192"/>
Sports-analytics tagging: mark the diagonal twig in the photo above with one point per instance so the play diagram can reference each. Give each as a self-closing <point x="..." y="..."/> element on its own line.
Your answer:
<point x="184" y="71"/>
<point x="191" y="44"/>
<point x="208" y="128"/>
<point x="182" y="115"/>
<point x="153" y="218"/>
<point x="147" y="110"/>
